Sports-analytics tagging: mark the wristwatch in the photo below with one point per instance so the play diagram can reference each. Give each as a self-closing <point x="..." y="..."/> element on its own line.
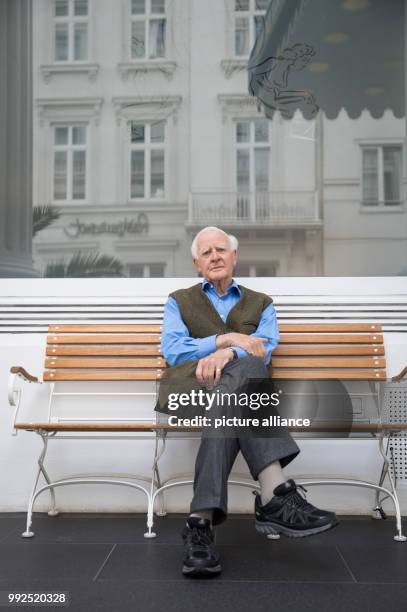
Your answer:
<point x="235" y="355"/>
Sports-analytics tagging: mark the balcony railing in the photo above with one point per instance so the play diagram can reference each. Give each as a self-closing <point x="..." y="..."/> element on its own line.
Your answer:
<point x="259" y="208"/>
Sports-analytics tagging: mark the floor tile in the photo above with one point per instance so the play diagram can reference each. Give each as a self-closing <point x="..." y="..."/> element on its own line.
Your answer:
<point x="8" y="527"/>
<point x="32" y="560"/>
<point x="281" y="561"/>
<point x="65" y="528"/>
<point x="377" y="564"/>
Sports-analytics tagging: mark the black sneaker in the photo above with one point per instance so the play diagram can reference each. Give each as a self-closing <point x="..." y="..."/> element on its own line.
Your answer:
<point x="201" y="556"/>
<point x="289" y="513"/>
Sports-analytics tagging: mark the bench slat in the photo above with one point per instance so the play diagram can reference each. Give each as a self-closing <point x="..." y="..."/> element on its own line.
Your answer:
<point x="279" y="362"/>
<point x="105" y="339"/>
<point x="156" y="328"/>
<point x="331" y="327"/>
<point x="99" y="350"/>
<point x="140" y="427"/>
<point x="285" y="339"/>
<point x="140" y="351"/>
<point x="83" y="426"/>
<point x="329" y="374"/>
<point x="328" y="362"/>
<point x="106" y="328"/>
<point x="102" y="375"/>
<point x="101" y="362"/>
<point x="331" y="339"/>
<point x="283" y="350"/>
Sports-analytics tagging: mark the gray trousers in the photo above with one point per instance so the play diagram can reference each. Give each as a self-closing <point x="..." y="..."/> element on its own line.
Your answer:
<point x="216" y="455"/>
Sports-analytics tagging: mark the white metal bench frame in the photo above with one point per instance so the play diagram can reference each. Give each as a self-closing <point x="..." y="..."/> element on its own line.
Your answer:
<point x="156" y="488"/>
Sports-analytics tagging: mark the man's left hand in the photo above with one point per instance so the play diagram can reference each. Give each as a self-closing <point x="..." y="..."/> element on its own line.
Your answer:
<point x="209" y="369"/>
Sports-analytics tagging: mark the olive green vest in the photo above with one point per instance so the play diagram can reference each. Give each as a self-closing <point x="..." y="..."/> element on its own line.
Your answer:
<point x="202" y="320"/>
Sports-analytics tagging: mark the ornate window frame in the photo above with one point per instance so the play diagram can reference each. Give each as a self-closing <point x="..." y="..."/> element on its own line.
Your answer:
<point x="132" y="67"/>
<point x="86" y="67"/>
<point x="144" y="109"/>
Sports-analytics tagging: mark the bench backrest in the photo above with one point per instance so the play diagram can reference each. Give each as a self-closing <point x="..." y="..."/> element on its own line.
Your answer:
<point x="132" y="352"/>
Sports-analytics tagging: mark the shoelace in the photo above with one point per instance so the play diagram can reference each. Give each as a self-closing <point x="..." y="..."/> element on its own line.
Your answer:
<point x="299" y="498"/>
<point x="199" y="536"/>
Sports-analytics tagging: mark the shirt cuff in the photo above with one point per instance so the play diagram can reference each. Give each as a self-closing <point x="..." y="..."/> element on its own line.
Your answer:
<point x="240" y="352"/>
<point x="206" y="346"/>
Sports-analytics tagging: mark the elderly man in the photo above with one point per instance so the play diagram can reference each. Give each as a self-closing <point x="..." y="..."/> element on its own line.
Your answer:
<point x="220" y="335"/>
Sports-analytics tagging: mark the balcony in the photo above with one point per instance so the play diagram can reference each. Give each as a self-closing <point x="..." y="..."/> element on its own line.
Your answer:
<point x="267" y="208"/>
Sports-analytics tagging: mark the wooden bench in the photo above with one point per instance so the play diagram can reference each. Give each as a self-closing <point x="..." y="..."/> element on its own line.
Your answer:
<point x="119" y="352"/>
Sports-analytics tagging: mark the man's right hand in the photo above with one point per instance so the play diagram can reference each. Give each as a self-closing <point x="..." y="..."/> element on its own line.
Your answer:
<point x="251" y="344"/>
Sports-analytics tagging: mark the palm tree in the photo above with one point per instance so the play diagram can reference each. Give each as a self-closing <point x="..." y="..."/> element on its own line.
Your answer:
<point x="80" y="265"/>
<point x="86" y="265"/>
<point x="44" y="216"/>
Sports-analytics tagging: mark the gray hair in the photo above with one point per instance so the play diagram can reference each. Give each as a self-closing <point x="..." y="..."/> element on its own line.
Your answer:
<point x="233" y="242"/>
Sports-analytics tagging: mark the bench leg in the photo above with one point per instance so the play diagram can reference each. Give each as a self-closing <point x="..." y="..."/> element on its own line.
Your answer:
<point x="53" y="510"/>
<point x="399" y="537"/>
<point x="150" y="520"/>
<point x="155" y="478"/>
<point x="161" y="500"/>
<point x="377" y="511"/>
<point x="41" y="470"/>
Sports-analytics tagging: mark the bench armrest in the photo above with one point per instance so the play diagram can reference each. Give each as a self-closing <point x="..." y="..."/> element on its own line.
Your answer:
<point x="23" y="373"/>
<point x="400" y="376"/>
<point x="18" y="372"/>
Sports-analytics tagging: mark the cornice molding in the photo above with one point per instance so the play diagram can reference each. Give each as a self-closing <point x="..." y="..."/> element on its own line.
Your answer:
<point x="230" y="66"/>
<point x="134" y="68"/>
<point x="49" y="70"/>
<point x="69" y="109"/>
<point x="146" y="107"/>
<point x="239" y="105"/>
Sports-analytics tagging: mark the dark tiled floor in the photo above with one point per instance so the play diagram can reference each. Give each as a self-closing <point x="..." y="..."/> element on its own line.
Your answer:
<point x="105" y="563"/>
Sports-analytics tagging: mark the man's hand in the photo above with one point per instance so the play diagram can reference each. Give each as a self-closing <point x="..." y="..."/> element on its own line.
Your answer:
<point x="251" y="344"/>
<point x="209" y="369"/>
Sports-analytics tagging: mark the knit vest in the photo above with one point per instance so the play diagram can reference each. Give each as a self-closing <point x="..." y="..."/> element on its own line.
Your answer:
<point x="202" y="320"/>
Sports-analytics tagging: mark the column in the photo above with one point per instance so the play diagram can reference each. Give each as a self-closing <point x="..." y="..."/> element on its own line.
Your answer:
<point x="16" y="126"/>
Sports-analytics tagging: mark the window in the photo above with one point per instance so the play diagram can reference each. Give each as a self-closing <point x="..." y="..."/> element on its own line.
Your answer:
<point x="249" y="17"/>
<point x="253" y="168"/>
<point x="381" y="175"/>
<point x="147" y="155"/>
<point x="69" y="175"/>
<point x="252" y="155"/>
<point x="148" y="29"/>
<point x="71" y="30"/>
<point x="152" y="270"/>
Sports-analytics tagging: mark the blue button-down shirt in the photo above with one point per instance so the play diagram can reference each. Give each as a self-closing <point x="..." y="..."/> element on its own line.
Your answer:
<point x="178" y="346"/>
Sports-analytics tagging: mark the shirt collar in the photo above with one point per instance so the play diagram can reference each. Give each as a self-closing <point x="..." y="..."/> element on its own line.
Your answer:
<point x="206" y="285"/>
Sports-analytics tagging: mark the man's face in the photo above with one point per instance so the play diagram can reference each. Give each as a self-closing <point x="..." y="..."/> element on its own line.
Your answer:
<point x="215" y="260"/>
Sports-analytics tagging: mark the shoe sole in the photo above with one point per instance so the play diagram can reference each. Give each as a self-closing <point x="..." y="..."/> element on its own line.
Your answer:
<point x="201" y="571"/>
<point x="274" y="529"/>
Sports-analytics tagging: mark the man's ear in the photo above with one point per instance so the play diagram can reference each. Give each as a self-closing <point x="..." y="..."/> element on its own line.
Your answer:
<point x="195" y="262"/>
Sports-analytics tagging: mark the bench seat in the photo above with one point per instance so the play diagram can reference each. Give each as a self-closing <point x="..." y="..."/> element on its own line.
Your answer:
<point x="115" y="353"/>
